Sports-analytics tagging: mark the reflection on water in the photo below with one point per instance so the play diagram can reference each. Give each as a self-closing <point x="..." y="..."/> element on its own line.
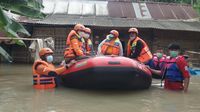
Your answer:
<point x="17" y="94"/>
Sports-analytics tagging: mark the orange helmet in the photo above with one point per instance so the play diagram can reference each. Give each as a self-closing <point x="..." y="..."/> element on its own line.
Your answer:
<point x="115" y="33"/>
<point x="88" y="30"/>
<point x="45" y="51"/>
<point x="78" y="27"/>
<point x="133" y="30"/>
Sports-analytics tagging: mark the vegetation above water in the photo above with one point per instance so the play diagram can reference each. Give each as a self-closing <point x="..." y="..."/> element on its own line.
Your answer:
<point x="8" y="26"/>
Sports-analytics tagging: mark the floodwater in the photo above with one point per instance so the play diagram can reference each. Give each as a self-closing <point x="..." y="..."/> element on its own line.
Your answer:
<point x="17" y="95"/>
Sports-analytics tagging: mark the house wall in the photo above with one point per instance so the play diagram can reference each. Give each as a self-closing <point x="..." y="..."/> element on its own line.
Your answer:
<point x="187" y="40"/>
<point x="60" y="34"/>
<point x="154" y="38"/>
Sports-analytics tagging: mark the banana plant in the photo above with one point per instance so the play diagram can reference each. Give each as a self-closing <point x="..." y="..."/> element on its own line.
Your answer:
<point x="197" y="6"/>
<point x="9" y="27"/>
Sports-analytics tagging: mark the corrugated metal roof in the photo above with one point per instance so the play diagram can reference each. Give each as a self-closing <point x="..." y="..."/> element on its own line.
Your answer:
<point x="102" y="22"/>
<point x="122" y="14"/>
<point x="120" y="9"/>
<point x="155" y="11"/>
<point x="120" y="22"/>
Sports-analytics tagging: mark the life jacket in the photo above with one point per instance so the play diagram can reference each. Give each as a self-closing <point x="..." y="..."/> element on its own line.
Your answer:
<point x="157" y="63"/>
<point x="88" y="46"/>
<point x="69" y="51"/>
<point x="145" y="54"/>
<point x="173" y="73"/>
<point x="42" y="81"/>
<point x="111" y="47"/>
<point x="162" y="61"/>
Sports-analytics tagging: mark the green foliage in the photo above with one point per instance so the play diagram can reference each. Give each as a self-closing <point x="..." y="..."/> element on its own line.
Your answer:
<point x="11" y="28"/>
<point x="29" y="8"/>
<point x="197" y="6"/>
<point x="5" y="55"/>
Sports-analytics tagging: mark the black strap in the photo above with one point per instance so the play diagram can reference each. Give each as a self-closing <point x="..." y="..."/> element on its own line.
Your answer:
<point x="163" y="75"/>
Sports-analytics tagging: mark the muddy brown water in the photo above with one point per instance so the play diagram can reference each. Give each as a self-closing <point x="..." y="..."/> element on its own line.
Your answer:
<point x="17" y="95"/>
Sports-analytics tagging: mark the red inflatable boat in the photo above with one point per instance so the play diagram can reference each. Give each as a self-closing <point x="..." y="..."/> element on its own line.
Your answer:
<point x="105" y="72"/>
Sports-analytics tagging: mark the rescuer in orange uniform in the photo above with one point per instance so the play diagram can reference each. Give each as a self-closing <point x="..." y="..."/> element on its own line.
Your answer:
<point x="137" y="48"/>
<point x="44" y="72"/>
<point x="88" y="42"/>
<point x="75" y="43"/>
<point x="111" y="45"/>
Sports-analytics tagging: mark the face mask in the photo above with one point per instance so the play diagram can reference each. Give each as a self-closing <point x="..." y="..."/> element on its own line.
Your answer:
<point x="87" y="36"/>
<point x="173" y="53"/>
<point x="159" y="55"/>
<point x="49" y="58"/>
<point x="111" y="36"/>
<point x="132" y="38"/>
<point x="81" y="34"/>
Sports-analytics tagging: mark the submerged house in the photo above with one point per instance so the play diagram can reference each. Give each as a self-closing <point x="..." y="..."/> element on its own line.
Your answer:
<point x="159" y="23"/>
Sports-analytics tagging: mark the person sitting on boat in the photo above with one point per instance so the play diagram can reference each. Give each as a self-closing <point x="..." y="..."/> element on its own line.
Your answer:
<point x="111" y="45"/>
<point x="44" y="72"/>
<point x="137" y="48"/>
<point x="88" y="42"/>
<point x="75" y="43"/>
<point x="175" y="72"/>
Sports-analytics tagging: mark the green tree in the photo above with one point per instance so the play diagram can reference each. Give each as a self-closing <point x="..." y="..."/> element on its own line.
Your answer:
<point x="29" y="8"/>
<point x="197" y="6"/>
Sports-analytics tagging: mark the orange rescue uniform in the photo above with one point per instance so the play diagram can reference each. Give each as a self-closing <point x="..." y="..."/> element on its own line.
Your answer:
<point x="145" y="54"/>
<point x="111" y="47"/>
<point x="75" y="45"/>
<point x="88" y="46"/>
<point x="41" y="79"/>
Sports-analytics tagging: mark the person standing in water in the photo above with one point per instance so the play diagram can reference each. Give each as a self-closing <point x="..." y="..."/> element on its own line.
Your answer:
<point x="44" y="72"/>
<point x="175" y="72"/>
